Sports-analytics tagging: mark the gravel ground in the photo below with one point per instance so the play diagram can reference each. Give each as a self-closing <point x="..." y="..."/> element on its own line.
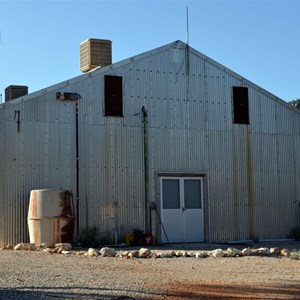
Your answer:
<point x="40" y="275"/>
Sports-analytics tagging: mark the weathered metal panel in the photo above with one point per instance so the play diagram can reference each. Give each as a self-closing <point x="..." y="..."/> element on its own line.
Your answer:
<point x="251" y="172"/>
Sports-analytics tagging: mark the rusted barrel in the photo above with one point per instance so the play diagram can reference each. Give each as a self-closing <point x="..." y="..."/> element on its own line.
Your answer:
<point x="51" y="217"/>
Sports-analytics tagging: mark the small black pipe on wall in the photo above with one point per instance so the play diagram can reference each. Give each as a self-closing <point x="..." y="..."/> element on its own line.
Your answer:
<point x="146" y="170"/>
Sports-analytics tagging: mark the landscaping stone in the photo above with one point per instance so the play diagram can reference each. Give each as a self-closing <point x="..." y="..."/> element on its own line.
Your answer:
<point x="134" y="254"/>
<point x="165" y="254"/>
<point x="125" y="253"/>
<point x="202" y="254"/>
<point x="63" y="246"/>
<point x="285" y="252"/>
<point x="7" y="247"/>
<point x="25" y="246"/>
<point x="217" y="253"/>
<point x="246" y="251"/>
<point x="233" y="252"/>
<point x="57" y="250"/>
<point x="92" y="252"/>
<point x="275" y="250"/>
<point x="181" y="253"/>
<point x="68" y="252"/>
<point x="106" y="251"/>
<point x="144" y="252"/>
<point x="261" y="251"/>
<point x="20" y="246"/>
<point x="153" y="255"/>
<point x="41" y="246"/>
<point x="30" y="246"/>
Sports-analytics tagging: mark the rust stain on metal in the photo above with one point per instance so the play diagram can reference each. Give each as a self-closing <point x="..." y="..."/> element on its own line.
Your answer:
<point x="67" y="213"/>
<point x="33" y="205"/>
<point x="66" y="204"/>
<point x="249" y="171"/>
<point x="67" y="231"/>
<point x="36" y="235"/>
<point x="56" y="231"/>
<point x="235" y="183"/>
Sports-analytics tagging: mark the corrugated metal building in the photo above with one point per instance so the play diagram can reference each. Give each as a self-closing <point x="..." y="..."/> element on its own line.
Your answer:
<point x="220" y="153"/>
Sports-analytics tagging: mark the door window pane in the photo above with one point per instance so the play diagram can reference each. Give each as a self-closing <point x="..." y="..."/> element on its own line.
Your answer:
<point x="192" y="193"/>
<point x="171" y="195"/>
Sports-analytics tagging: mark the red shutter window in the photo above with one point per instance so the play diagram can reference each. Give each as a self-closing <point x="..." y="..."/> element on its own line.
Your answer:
<point x="240" y="105"/>
<point x="113" y="96"/>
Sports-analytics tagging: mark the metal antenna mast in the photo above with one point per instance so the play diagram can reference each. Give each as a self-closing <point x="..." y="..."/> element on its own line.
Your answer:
<point x="187" y="56"/>
<point x="187" y="25"/>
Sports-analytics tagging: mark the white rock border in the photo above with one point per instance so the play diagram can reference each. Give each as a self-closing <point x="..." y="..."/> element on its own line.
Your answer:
<point x="65" y="249"/>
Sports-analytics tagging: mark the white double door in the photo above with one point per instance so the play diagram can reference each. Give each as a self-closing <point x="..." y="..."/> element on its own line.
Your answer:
<point x="182" y="209"/>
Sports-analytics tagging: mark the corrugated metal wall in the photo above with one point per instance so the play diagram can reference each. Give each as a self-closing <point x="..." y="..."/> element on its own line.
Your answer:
<point x="251" y="171"/>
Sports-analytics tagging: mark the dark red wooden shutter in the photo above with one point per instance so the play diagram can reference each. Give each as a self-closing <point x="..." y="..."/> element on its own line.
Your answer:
<point x="240" y="105"/>
<point x="113" y="96"/>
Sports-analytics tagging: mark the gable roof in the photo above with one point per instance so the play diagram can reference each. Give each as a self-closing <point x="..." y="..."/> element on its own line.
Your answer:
<point x="175" y="45"/>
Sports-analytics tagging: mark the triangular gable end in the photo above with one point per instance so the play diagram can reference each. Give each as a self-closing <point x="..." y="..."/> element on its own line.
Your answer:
<point x="174" y="45"/>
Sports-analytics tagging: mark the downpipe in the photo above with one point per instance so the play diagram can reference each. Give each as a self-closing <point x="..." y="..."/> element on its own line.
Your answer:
<point x="146" y="170"/>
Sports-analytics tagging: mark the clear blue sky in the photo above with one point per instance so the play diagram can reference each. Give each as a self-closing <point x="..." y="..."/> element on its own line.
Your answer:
<point x="260" y="40"/>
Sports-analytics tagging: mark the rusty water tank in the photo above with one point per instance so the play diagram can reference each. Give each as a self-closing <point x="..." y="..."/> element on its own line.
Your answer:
<point x="51" y="217"/>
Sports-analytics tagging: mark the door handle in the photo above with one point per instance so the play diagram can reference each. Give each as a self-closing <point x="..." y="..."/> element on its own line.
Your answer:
<point x="183" y="209"/>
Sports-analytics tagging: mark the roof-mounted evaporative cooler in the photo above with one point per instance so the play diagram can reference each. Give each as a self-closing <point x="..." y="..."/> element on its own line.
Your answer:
<point x="15" y="91"/>
<point x="95" y="53"/>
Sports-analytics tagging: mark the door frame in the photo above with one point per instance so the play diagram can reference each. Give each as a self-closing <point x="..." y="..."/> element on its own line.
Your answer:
<point x="174" y="175"/>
